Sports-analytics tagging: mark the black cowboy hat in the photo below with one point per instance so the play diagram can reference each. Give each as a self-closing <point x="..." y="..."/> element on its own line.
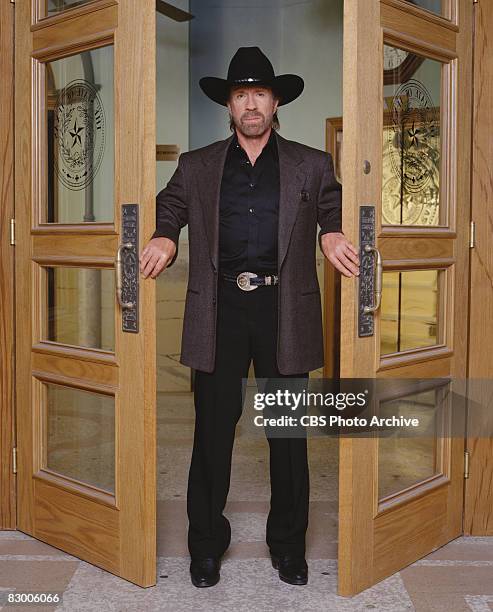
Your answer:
<point x="250" y="66"/>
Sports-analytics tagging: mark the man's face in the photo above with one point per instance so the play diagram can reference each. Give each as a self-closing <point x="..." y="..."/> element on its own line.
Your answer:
<point x="252" y="109"/>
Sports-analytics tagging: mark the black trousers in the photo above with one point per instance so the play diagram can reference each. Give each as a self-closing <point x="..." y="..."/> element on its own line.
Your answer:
<point x="246" y="330"/>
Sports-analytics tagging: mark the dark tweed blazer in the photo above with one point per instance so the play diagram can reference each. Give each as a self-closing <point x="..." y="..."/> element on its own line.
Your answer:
<point x="309" y="193"/>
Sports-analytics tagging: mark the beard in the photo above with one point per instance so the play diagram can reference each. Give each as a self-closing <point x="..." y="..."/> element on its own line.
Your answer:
<point x="253" y="128"/>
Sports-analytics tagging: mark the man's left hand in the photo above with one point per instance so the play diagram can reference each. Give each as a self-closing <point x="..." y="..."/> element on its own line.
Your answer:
<point x="341" y="253"/>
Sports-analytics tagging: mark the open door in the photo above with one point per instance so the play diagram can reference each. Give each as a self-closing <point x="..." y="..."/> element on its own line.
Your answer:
<point x="407" y="116"/>
<point x="85" y="327"/>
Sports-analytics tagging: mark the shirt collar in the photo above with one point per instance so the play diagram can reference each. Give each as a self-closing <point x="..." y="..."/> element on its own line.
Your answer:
<point x="271" y="144"/>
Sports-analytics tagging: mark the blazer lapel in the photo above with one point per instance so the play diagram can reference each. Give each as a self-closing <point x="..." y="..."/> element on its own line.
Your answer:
<point x="292" y="179"/>
<point x="210" y="192"/>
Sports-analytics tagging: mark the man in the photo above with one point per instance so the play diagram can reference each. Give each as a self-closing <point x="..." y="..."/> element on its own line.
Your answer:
<point x="252" y="203"/>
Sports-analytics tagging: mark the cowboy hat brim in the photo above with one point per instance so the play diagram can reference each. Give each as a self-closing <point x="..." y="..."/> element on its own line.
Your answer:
<point x="286" y="86"/>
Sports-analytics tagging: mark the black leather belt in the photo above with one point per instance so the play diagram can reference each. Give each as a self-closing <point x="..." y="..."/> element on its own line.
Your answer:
<point x="247" y="281"/>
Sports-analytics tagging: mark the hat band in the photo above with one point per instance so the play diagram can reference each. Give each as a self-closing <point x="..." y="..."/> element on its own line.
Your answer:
<point x="250" y="80"/>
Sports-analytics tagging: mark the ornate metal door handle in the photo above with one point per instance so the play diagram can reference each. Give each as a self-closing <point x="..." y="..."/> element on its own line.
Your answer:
<point x="119" y="268"/>
<point x="127" y="269"/>
<point x="378" y="279"/>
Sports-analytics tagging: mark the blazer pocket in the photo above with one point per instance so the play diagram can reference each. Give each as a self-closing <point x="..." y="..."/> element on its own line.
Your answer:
<point x="191" y="290"/>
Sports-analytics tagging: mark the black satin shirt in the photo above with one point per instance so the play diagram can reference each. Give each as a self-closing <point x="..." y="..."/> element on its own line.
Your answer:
<point x="249" y="210"/>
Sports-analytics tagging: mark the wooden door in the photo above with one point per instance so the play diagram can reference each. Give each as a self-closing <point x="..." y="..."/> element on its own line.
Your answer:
<point x="85" y="339"/>
<point x="407" y="115"/>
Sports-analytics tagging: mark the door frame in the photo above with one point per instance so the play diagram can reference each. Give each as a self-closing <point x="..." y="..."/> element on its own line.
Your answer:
<point x="478" y="500"/>
<point x="477" y="515"/>
<point x="7" y="300"/>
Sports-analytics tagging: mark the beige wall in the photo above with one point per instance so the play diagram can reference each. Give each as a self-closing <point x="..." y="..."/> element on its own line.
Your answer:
<point x="172" y="101"/>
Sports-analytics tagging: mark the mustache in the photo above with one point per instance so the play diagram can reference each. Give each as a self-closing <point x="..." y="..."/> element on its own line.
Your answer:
<point x="252" y="116"/>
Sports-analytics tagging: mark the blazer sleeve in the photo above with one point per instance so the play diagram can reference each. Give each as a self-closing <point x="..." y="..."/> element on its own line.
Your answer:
<point x="329" y="207"/>
<point x="172" y="208"/>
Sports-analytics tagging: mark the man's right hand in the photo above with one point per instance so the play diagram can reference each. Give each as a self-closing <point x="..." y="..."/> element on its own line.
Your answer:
<point x="156" y="256"/>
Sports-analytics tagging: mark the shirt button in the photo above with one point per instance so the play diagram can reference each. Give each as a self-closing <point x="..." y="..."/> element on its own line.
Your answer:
<point x="250" y="209"/>
<point x="214" y="301"/>
<point x="252" y="185"/>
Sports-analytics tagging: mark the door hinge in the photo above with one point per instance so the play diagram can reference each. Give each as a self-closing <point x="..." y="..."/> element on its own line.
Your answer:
<point x="466" y="464"/>
<point x="12" y="232"/>
<point x="475" y="1"/>
<point x="12" y="1"/>
<point x="472" y="235"/>
<point x="14" y="460"/>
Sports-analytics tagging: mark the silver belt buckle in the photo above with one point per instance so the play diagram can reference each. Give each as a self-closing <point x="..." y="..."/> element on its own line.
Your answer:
<point x="243" y="281"/>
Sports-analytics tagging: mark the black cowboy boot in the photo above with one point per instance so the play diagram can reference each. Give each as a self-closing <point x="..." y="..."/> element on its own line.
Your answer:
<point x="205" y="571"/>
<point x="292" y="569"/>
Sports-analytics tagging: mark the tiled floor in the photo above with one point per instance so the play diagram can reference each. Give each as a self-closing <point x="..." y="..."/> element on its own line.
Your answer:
<point x="457" y="577"/>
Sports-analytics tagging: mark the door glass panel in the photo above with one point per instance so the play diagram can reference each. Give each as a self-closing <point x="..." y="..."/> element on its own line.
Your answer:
<point x="409" y="310"/>
<point x="411" y="139"/>
<point x="80" y="435"/>
<point x="80" y="307"/>
<point x="405" y="461"/>
<point x="51" y="7"/>
<point x="435" y="6"/>
<point x="79" y="138"/>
